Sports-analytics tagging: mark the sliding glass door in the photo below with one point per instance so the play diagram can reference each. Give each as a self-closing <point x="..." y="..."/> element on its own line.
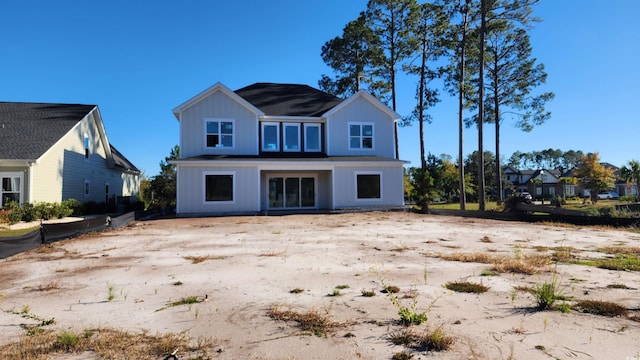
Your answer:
<point x="292" y="192"/>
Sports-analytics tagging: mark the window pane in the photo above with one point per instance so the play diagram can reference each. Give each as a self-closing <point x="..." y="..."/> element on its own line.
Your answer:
<point x="227" y="127"/>
<point x="355" y="143"/>
<point x="219" y="188"/>
<point x="307" y="189"/>
<point x="292" y="191"/>
<point x="312" y="138"/>
<point x="212" y="127"/>
<point x="367" y="143"/>
<point x="354" y="130"/>
<point x="9" y="197"/>
<point x="227" y="140"/>
<point x="10" y="184"/>
<point x="270" y="135"/>
<point x="291" y="138"/>
<point x="368" y="186"/>
<point x="212" y="140"/>
<point x="367" y="130"/>
<point x="276" y="199"/>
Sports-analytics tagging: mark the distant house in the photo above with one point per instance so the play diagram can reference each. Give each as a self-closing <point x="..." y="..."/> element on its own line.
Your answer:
<point x="273" y="147"/>
<point x="55" y="152"/>
<point x="541" y="183"/>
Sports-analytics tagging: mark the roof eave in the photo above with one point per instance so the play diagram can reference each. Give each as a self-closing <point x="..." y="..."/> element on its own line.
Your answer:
<point x="377" y="103"/>
<point x="211" y="90"/>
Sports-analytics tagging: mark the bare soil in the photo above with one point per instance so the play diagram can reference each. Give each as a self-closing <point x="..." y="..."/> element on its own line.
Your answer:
<point x="239" y="268"/>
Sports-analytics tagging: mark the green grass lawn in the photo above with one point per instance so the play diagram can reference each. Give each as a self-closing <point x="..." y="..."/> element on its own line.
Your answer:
<point x="5" y="233"/>
<point x="489" y="205"/>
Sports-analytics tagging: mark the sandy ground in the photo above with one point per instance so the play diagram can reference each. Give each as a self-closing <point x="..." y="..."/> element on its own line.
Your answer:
<point x="253" y="263"/>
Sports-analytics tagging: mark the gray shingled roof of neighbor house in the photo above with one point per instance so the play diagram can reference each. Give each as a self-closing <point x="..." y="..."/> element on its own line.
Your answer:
<point x="28" y="130"/>
<point x="288" y="99"/>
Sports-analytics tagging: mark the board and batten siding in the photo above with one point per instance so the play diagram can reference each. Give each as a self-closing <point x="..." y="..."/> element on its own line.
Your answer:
<point x="391" y="187"/>
<point x="218" y="106"/>
<point x="190" y="189"/>
<point x="360" y="110"/>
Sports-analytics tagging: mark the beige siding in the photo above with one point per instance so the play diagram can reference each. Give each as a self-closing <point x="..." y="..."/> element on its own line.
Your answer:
<point x="360" y="110"/>
<point x="218" y="105"/>
<point x="191" y="190"/>
<point x="130" y="184"/>
<point x="61" y="172"/>
<point x="392" y="193"/>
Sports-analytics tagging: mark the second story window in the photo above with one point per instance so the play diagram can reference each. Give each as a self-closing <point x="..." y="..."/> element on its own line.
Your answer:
<point x="219" y="133"/>
<point x="292" y="137"/>
<point x="360" y="136"/>
<point x="312" y="137"/>
<point x="86" y="146"/>
<point x="270" y="137"/>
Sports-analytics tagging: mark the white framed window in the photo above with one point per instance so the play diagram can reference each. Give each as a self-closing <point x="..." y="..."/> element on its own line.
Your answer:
<point x="11" y="187"/>
<point x="312" y="141"/>
<point x="291" y="137"/>
<point x="86" y="146"/>
<point x="219" y="133"/>
<point x="270" y="136"/>
<point x="360" y="136"/>
<point x="368" y="185"/>
<point x="87" y="188"/>
<point x="219" y="187"/>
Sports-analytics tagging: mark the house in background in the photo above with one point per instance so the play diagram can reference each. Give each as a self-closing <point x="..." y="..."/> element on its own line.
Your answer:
<point x="540" y="184"/>
<point x="55" y="152"/>
<point x="272" y="147"/>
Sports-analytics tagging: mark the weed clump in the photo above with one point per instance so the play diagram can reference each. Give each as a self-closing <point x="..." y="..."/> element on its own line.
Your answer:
<point x="311" y="321"/>
<point x="547" y="294"/>
<point x="603" y="308"/>
<point x="436" y="340"/>
<point x="466" y="287"/>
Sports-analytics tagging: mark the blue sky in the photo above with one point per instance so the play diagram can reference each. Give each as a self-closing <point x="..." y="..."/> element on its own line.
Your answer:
<point x="137" y="60"/>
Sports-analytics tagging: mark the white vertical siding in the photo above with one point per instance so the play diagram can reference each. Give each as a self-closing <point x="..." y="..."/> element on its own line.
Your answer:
<point x="391" y="191"/>
<point x="191" y="190"/>
<point x="360" y="110"/>
<point x="218" y="105"/>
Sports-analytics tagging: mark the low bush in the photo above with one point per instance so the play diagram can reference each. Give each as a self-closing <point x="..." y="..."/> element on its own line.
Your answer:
<point x="28" y="212"/>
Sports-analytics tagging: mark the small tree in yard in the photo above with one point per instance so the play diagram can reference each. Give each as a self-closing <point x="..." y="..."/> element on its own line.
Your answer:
<point x="594" y="176"/>
<point x="631" y="173"/>
<point x="163" y="185"/>
<point x="422" y="185"/>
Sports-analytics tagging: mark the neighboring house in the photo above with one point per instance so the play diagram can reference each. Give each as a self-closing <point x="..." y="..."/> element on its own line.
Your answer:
<point x="541" y="183"/>
<point x="55" y="152"/>
<point x="269" y="147"/>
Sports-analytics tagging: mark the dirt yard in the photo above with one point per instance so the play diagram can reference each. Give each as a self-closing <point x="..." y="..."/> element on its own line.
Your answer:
<point x="243" y="270"/>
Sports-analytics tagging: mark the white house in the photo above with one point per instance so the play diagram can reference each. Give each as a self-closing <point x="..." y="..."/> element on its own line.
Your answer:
<point x="55" y="152"/>
<point x="272" y="147"/>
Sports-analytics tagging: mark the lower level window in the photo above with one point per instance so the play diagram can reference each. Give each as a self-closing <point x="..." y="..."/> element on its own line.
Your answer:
<point x="218" y="187"/>
<point x="11" y="188"/>
<point x="368" y="186"/>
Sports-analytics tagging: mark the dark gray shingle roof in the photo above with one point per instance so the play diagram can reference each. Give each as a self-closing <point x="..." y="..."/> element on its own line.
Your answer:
<point x="288" y="99"/>
<point x="27" y="130"/>
<point x="122" y="162"/>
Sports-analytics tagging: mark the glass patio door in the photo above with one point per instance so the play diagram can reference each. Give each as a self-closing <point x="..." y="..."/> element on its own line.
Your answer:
<point x="291" y="192"/>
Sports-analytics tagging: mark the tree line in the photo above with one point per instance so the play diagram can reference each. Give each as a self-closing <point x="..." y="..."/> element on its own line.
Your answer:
<point x="480" y="49"/>
<point x="440" y="180"/>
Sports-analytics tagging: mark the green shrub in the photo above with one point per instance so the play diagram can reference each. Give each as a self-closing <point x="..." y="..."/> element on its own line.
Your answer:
<point x="629" y="198"/>
<point x="73" y="206"/>
<point x="15" y="212"/>
<point x="29" y="212"/>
